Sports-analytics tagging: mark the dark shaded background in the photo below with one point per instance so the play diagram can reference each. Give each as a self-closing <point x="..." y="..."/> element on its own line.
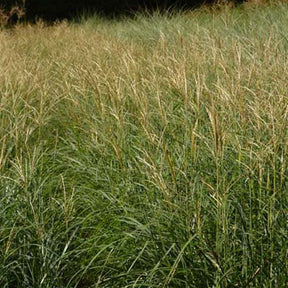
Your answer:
<point x="59" y="9"/>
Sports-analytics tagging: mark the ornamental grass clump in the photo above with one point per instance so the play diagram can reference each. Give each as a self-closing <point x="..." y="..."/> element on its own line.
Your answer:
<point x="147" y="152"/>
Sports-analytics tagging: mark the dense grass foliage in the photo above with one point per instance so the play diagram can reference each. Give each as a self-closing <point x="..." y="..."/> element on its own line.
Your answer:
<point x="146" y="153"/>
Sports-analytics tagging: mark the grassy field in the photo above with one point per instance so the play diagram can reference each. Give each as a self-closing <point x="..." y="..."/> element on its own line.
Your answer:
<point x="146" y="152"/>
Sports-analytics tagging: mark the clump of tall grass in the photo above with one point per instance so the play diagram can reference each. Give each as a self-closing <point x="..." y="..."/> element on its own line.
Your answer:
<point x="145" y="153"/>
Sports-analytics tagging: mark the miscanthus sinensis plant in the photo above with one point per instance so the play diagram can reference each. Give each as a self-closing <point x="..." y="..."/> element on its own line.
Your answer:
<point x="146" y="152"/>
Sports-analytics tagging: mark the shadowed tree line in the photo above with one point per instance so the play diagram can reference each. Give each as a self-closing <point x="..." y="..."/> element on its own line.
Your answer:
<point x="55" y="9"/>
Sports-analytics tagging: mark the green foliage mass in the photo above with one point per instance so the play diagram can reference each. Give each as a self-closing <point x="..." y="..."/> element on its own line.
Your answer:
<point x="145" y="153"/>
